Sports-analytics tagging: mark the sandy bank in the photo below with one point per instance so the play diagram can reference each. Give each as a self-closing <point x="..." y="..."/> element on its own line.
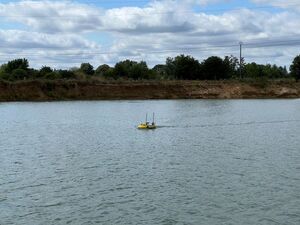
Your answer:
<point x="109" y="90"/>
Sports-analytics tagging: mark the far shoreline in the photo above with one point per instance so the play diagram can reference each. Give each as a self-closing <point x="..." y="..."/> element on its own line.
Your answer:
<point x="89" y="90"/>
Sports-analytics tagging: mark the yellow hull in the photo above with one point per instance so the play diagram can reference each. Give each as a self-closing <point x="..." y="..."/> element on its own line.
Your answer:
<point x="146" y="126"/>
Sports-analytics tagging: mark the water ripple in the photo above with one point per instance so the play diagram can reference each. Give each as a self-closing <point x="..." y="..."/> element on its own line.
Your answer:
<point x="211" y="162"/>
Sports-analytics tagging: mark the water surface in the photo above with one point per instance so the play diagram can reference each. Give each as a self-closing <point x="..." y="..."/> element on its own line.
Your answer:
<point x="210" y="162"/>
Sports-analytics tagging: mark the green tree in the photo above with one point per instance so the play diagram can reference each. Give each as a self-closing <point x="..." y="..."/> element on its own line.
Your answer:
<point x="3" y="74"/>
<point x="53" y="76"/>
<point x="87" y="68"/>
<point x="170" y="68"/>
<point x="131" y="69"/>
<point x="252" y="70"/>
<point x="295" y="68"/>
<point x="122" y="69"/>
<point x="65" y="74"/>
<point x="33" y="73"/>
<point x="19" y="74"/>
<point x="101" y="70"/>
<point x="274" y="72"/>
<point x="159" y="72"/>
<point x="45" y="70"/>
<point x="214" y="68"/>
<point x="110" y="74"/>
<point x="16" y="69"/>
<point x="16" y="64"/>
<point x="139" y="71"/>
<point x="233" y="66"/>
<point x="283" y="72"/>
<point x="183" y="67"/>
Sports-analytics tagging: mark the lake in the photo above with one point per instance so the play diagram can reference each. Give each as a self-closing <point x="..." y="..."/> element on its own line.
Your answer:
<point x="209" y="162"/>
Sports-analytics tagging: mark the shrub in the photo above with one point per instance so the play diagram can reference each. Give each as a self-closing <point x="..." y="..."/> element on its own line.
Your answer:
<point x="19" y="74"/>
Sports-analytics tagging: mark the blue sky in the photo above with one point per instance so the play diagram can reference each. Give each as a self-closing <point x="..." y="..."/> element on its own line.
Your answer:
<point x="64" y="34"/>
<point x="214" y="7"/>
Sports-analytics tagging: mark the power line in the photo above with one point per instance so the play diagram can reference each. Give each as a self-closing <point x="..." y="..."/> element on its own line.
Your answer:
<point x="147" y="51"/>
<point x="202" y="49"/>
<point x="254" y="44"/>
<point x="274" y="44"/>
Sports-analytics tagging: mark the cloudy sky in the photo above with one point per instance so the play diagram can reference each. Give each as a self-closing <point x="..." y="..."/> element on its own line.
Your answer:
<point x="63" y="34"/>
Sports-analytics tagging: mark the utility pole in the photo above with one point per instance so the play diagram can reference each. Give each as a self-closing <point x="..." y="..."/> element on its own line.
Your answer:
<point x="241" y="43"/>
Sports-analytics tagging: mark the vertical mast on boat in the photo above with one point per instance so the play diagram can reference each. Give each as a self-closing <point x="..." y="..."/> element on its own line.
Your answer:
<point x="153" y="118"/>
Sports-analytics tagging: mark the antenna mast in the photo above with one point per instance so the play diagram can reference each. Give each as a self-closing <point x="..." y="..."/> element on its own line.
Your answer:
<point x="241" y="44"/>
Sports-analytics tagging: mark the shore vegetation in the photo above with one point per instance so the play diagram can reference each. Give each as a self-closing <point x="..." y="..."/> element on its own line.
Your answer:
<point x="181" y="67"/>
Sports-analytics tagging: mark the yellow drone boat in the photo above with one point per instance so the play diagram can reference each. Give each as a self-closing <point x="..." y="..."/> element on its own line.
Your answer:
<point x="147" y="125"/>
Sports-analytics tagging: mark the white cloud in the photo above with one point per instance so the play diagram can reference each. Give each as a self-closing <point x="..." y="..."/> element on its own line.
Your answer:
<point x="32" y="40"/>
<point x="151" y="33"/>
<point x="45" y="48"/>
<point x="52" y="16"/>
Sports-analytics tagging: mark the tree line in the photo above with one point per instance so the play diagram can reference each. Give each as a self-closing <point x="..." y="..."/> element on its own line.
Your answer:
<point x="181" y="67"/>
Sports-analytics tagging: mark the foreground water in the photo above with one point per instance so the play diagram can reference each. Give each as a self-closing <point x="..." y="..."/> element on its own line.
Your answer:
<point x="210" y="162"/>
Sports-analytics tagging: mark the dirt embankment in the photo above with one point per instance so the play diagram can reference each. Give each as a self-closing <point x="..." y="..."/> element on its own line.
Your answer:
<point x="100" y="90"/>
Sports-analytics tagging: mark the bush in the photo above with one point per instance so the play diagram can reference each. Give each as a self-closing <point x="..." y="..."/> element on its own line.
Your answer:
<point x="295" y="68"/>
<point x="262" y="82"/>
<point x="45" y="70"/>
<point x="19" y="74"/>
<point x="101" y="70"/>
<point x="5" y="76"/>
<point x="52" y="76"/>
<point x="87" y="68"/>
<point x="159" y="72"/>
<point x="110" y="74"/>
<point x="66" y="74"/>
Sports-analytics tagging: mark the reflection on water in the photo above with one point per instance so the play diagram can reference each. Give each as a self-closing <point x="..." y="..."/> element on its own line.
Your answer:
<point x="210" y="162"/>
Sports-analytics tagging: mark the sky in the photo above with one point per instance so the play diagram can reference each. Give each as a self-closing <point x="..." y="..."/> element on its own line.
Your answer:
<point x="65" y="33"/>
